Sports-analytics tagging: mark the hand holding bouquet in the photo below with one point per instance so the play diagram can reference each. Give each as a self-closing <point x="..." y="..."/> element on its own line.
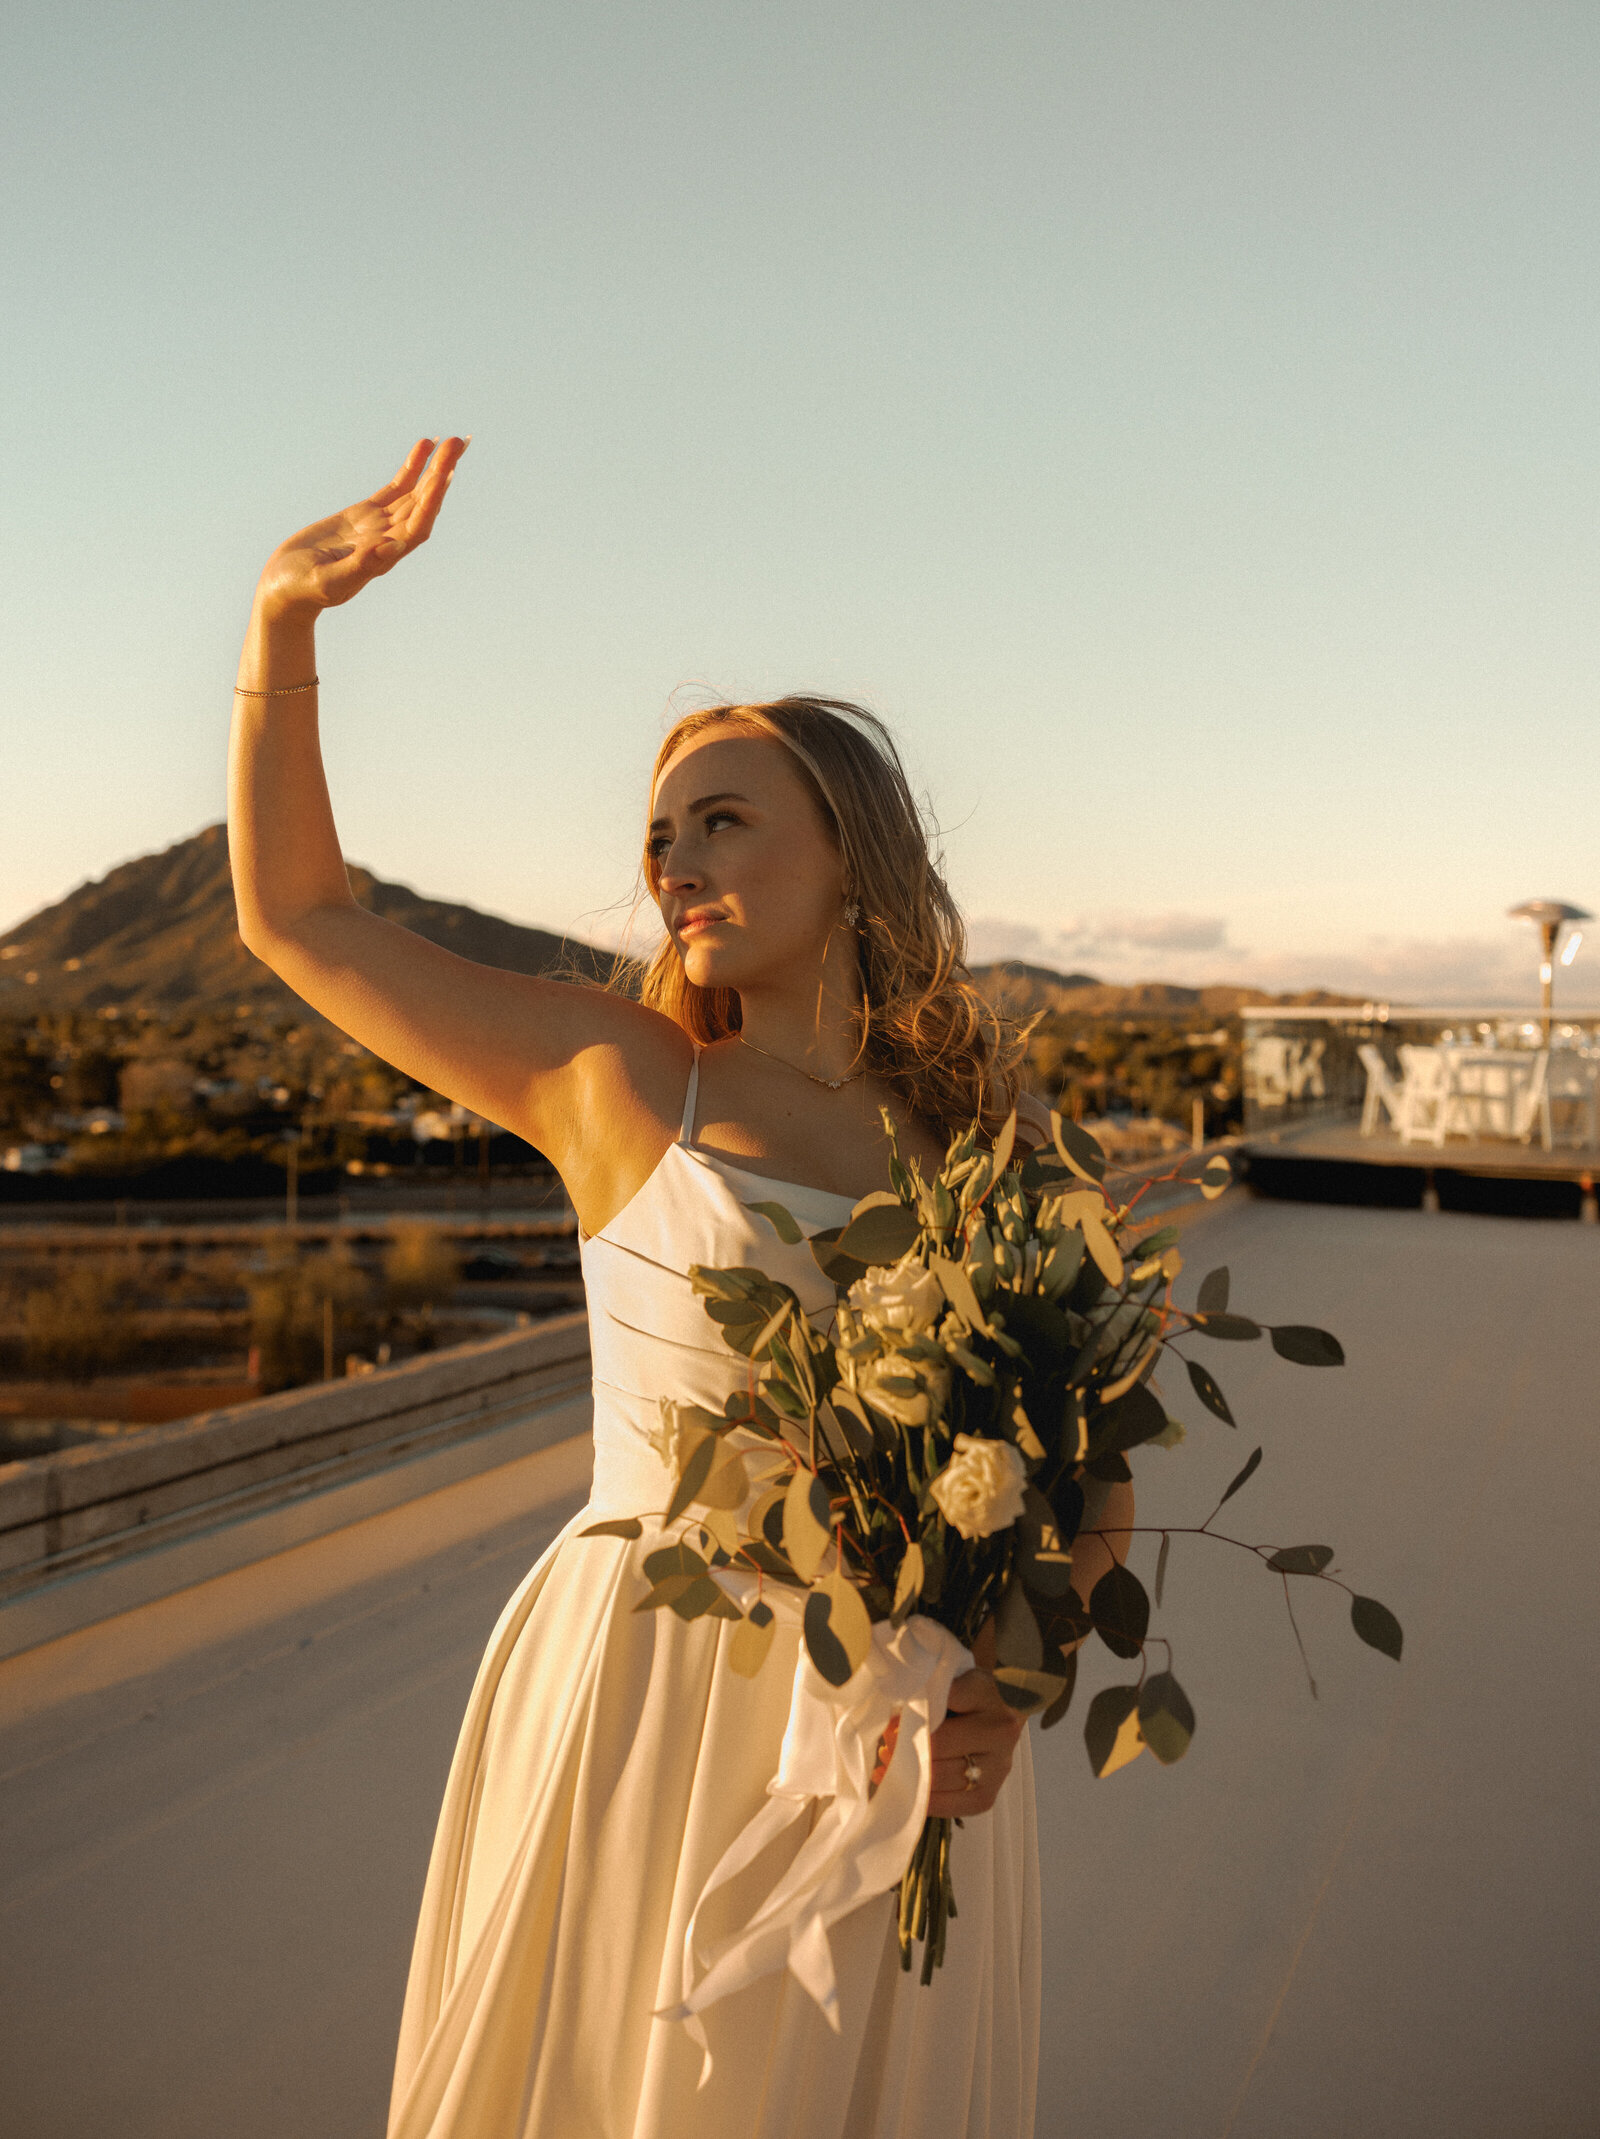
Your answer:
<point x="935" y="1454"/>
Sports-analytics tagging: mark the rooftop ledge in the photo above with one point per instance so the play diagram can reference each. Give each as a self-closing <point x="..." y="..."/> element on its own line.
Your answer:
<point x="86" y="1532"/>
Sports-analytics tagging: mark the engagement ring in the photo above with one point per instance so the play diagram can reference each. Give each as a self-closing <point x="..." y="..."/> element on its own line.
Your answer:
<point x="973" y="1773"/>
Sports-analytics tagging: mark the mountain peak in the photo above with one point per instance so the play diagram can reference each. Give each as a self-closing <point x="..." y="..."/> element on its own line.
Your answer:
<point x="160" y="932"/>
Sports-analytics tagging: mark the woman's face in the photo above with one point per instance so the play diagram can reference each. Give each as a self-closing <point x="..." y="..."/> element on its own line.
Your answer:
<point x="749" y="883"/>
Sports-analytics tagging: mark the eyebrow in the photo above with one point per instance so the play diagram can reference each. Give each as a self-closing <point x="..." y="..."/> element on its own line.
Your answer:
<point x="659" y="824"/>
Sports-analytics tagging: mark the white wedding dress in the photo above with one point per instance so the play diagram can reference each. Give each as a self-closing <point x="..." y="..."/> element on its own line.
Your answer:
<point x="607" y="1760"/>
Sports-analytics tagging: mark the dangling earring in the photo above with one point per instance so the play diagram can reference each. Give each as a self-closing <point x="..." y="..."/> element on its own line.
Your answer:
<point x="852" y="915"/>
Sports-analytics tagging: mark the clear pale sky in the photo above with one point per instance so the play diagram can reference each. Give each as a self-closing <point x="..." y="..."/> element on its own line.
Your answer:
<point x="1178" y="418"/>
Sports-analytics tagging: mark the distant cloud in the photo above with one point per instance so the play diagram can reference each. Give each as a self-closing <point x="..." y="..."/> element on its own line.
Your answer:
<point x="1194" y="950"/>
<point x="1107" y="937"/>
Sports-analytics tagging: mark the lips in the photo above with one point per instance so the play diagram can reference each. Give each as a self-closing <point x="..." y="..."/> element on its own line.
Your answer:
<point x="691" y="922"/>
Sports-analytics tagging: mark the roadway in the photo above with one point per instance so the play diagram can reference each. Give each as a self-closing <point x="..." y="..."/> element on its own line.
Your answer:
<point x="1369" y="1913"/>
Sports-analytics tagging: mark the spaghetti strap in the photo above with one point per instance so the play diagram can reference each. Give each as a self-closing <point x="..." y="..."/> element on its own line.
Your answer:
<point x="686" y="1127"/>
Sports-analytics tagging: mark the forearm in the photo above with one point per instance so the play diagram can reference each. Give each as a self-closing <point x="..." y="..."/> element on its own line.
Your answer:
<point x="282" y="841"/>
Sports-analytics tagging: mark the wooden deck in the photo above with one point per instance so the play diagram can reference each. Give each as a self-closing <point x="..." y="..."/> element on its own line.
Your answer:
<point x="1325" y="1142"/>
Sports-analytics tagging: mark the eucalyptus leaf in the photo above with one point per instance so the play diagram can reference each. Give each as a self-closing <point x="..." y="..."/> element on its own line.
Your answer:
<point x="908" y="1582"/>
<point x="1301" y="1559"/>
<point x="1004" y="1143"/>
<point x="957" y="1289"/>
<point x="1235" y="1329"/>
<point x="1063" y="1700"/>
<point x="1208" y="1392"/>
<point x="1110" y="1469"/>
<point x="1028" y="1691"/>
<point x="1306" y="1347"/>
<point x="1166" y="1721"/>
<point x="805" y="1524"/>
<point x="1243" y="1478"/>
<point x="847" y="1616"/>
<point x="1215" y="1176"/>
<point x="838" y="1268"/>
<point x="1214" y="1292"/>
<point x="823" y="1645"/>
<point x="1120" y="1610"/>
<point x="781" y="1222"/>
<point x="1377" y="1625"/>
<point x="1103" y="1250"/>
<point x="696" y="1469"/>
<point x="1079" y="1149"/>
<point x="727" y="1482"/>
<point x="628" y="1526"/>
<point x="1135" y="1417"/>
<point x="704" y="1599"/>
<point x="679" y="1559"/>
<point x="1018" y="1641"/>
<point x="881" y="1235"/>
<point x="1111" y="1729"/>
<point x="750" y="1641"/>
<point x="1161" y="1565"/>
<point x="667" y="1591"/>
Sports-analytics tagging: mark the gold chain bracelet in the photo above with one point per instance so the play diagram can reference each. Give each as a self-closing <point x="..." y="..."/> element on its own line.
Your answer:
<point x="285" y="690"/>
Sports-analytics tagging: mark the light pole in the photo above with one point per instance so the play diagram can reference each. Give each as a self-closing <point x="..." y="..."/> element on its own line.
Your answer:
<point x="1550" y="917"/>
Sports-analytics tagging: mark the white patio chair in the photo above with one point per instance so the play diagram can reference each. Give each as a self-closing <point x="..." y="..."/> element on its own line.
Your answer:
<point x="1303" y="1069"/>
<point x="1425" y="1096"/>
<point x="1269" y="1067"/>
<point x="1533" y="1103"/>
<point x="1384" y="1096"/>
<point x="1571" y="1085"/>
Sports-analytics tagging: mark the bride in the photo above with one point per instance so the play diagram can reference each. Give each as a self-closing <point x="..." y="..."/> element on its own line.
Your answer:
<point x="810" y="975"/>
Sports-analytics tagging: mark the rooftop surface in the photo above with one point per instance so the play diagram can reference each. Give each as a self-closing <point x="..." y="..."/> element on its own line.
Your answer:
<point x="1367" y="1913"/>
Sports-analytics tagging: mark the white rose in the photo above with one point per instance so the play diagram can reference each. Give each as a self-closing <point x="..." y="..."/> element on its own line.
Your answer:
<point x="909" y="1394"/>
<point x="903" y="1302"/>
<point x="979" y="1490"/>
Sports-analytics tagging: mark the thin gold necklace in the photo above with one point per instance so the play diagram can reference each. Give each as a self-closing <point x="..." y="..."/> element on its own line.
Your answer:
<point x="832" y="1084"/>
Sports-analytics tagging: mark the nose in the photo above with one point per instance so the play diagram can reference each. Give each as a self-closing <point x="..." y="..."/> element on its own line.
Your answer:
<point x="676" y="872"/>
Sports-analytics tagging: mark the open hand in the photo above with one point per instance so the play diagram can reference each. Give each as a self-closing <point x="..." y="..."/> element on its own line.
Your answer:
<point x="328" y="562"/>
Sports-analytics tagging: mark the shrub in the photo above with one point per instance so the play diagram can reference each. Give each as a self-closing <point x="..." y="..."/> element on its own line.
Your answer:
<point x="78" y="1326"/>
<point x="420" y="1268"/>
<point x="288" y="1314"/>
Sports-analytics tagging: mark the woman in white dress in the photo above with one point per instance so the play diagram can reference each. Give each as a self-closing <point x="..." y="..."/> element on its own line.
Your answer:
<point x="810" y="975"/>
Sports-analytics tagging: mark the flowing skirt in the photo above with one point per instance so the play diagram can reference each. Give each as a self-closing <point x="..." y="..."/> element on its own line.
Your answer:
<point x="607" y="1760"/>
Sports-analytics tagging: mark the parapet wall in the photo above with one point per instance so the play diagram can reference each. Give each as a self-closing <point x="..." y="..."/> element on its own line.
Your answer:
<point x="80" y="1508"/>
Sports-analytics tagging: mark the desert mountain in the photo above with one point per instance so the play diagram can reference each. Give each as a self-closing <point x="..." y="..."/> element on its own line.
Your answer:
<point x="159" y="933"/>
<point x="1022" y="989"/>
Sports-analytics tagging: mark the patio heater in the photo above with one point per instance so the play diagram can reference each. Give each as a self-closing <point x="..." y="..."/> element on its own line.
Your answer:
<point x="1550" y="917"/>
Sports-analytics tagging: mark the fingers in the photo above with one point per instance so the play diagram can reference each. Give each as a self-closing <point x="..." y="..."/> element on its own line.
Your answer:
<point x="410" y="468"/>
<point x="957" y="1736"/>
<point x="953" y="1795"/>
<point x="975" y="1690"/>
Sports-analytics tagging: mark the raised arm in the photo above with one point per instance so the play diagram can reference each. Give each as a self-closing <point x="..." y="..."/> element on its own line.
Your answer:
<point x="592" y="1080"/>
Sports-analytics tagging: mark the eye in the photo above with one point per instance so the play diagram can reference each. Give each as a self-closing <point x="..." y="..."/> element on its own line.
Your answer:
<point x="716" y="817"/>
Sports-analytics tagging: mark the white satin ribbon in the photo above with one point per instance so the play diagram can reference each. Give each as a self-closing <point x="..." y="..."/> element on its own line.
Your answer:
<point x="863" y="1839"/>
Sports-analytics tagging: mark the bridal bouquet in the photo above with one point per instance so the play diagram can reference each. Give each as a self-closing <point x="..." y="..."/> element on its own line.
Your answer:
<point x="922" y="1468"/>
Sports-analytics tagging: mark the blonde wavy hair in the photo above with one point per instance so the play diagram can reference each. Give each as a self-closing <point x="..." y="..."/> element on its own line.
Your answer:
<point x="926" y="1031"/>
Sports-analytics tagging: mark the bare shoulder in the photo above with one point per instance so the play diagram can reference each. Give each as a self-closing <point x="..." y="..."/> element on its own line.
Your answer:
<point x="617" y="1107"/>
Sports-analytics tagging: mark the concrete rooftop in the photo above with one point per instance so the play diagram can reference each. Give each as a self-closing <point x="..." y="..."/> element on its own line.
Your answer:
<point x="1373" y="1913"/>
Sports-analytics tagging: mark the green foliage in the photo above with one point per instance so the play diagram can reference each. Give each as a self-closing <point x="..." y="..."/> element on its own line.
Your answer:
<point x="293" y="1304"/>
<point x="78" y="1326"/>
<point x="421" y="1267"/>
